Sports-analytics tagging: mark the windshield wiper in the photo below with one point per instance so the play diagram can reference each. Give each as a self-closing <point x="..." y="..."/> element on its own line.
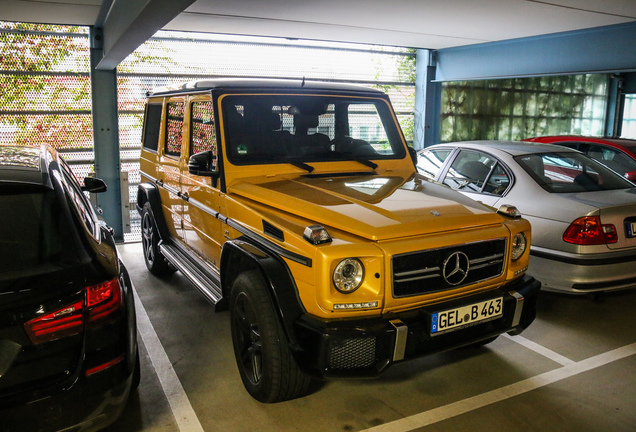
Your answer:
<point x="300" y="165"/>
<point x="363" y="161"/>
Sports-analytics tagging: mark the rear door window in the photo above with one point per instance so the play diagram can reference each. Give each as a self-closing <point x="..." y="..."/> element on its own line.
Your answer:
<point x="152" y="125"/>
<point x="174" y="128"/>
<point x="430" y="162"/>
<point x="202" y="130"/>
<point x="474" y="171"/>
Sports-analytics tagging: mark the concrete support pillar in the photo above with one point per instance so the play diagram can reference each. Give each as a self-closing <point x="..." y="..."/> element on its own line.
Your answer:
<point x="615" y="102"/>
<point x="428" y="95"/>
<point x="106" y="135"/>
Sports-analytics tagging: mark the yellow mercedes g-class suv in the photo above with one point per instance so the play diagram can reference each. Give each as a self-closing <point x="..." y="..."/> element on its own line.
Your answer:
<point x="297" y="205"/>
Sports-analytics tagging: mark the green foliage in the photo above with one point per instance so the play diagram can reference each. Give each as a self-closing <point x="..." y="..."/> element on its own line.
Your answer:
<point x="405" y="71"/>
<point x="513" y="109"/>
<point x="45" y="72"/>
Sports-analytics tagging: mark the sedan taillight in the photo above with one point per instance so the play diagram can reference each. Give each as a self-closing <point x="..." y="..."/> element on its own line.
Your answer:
<point x="104" y="301"/>
<point x="102" y="304"/>
<point x="66" y="321"/>
<point x="588" y="230"/>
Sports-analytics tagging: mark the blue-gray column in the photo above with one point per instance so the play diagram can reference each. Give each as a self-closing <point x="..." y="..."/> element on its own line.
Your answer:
<point x="614" y="114"/>
<point x="106" y="135"/>
<point x="428" y="95"/>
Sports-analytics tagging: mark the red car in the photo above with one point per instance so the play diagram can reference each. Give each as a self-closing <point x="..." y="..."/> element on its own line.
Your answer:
<point x="617" y="154"/>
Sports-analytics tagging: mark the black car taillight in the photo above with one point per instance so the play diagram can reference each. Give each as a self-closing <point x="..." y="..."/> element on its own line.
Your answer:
<point x="102" y="304"/>
<point x="66" y="321"/>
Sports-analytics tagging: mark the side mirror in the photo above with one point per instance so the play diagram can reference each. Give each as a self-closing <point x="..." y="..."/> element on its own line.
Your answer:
<point x="201" y="164"/>
<point x="94" y="185"/>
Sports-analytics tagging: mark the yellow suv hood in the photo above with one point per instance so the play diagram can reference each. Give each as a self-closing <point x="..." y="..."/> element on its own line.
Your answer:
<point x="373" y="207"/>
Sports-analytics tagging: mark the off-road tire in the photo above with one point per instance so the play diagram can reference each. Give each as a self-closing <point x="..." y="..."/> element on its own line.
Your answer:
<point x="265" y="362"/>
<point x="155" y="261"/>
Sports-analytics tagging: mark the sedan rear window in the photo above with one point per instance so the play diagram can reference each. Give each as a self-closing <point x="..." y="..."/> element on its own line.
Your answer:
<point x="570" y="173"/>
<point x="32" y="229"/>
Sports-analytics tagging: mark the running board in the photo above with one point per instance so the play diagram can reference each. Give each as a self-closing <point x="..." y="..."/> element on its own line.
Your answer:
<point x="209" y="287"/>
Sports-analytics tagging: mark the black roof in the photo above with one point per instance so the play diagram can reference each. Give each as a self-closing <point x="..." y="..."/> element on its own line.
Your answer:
<point x="25" y="164"/>
<point x="264" y="84"/>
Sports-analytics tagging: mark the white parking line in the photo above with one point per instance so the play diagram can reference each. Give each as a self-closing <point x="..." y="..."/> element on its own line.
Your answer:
<point x="470" y="404"/>
<point x="182" y="411"/>
<point x="539" y="349"/>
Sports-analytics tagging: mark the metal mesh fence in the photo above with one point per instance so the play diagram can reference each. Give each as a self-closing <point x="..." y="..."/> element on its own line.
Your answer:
<point x="172" y="58"/>
<point x="45" y="84"/>
<point x="46" y="97"/>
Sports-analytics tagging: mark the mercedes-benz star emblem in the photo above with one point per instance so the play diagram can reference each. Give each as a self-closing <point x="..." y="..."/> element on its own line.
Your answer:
<point x="455" y="268"/>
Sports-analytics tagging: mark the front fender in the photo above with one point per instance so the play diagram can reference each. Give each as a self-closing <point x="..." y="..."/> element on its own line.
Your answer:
<point x="241" y="255"/>
<point x="148" y="192"/>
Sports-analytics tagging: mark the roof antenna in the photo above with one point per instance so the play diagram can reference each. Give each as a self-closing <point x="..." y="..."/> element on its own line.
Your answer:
<point x="302" y="84"/>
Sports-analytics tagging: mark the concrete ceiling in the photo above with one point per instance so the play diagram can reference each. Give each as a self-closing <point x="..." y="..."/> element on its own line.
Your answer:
<point x="430" y="24"/>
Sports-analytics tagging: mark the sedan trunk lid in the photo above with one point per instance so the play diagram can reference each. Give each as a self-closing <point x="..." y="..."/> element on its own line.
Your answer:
<point x="615" y="207"/>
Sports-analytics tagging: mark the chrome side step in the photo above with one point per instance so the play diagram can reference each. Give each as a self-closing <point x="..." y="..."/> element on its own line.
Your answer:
<point x="210" y="287"/>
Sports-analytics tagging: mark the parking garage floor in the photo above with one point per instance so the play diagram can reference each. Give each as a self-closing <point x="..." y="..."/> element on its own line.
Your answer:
<point x="573" y="370"/>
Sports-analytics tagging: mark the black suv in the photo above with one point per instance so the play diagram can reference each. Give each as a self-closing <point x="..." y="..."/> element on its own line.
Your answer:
<point x="68" y="338"/>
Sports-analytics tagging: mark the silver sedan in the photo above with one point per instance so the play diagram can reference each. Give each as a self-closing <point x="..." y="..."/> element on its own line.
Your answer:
<point x="583" y="215"/>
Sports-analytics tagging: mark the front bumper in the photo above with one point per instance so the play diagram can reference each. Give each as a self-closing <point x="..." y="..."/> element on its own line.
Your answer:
<point x="365" y="348"/>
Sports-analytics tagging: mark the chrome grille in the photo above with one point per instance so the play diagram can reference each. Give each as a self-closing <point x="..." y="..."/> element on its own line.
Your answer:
<point x="422" y="272"/>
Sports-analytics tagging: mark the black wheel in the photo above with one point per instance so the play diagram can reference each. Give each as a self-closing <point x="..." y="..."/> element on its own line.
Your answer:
<point x="155" y="261"/>
<point x="265" y="362"/>
<point x="136" y="376"/>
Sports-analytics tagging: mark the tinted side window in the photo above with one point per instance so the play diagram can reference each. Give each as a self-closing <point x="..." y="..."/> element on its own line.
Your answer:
<point x="572" y="145"/>
<point x="430" y="162"/>
<point x="612" y="158"/>
<point x="152" y="122"/>
<point x="203" y="132"/>
<point x="174" y="128"/>
<point x="79" y="201"/>
<point x="469" y="171"/>
<point x="498" y="181"/>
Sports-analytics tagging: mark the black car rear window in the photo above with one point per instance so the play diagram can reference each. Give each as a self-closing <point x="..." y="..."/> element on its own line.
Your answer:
<point x="32" y="229"/>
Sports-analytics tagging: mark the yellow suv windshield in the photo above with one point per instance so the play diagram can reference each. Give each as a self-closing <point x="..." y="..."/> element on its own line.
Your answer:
<point x="261" y="129"/>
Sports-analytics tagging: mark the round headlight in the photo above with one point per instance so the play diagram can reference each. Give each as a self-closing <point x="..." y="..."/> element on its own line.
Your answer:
<point x="348" y="275"/>
<point x="519" y="244"/>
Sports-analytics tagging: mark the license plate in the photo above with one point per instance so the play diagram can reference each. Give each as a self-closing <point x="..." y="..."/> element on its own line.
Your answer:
<point x="466" y="316"/>
<point x="630" y="229"/>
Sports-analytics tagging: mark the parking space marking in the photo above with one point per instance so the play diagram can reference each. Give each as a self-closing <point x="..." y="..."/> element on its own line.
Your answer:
<point x="182" y="411"/>
<point x="539" y="349"/>
<point x="470" y="404"/>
